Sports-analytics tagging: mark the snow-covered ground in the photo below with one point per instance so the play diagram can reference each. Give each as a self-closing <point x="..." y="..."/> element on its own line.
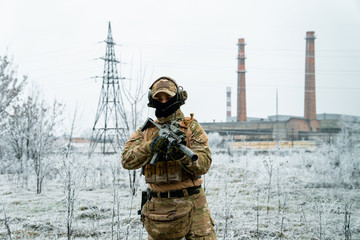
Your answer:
<point x="294" y="195"/>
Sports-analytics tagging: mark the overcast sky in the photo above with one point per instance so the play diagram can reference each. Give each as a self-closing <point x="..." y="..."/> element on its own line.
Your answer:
<point x="56" y="43"/>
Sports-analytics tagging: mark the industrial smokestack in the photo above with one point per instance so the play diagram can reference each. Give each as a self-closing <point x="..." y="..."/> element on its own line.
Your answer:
<point x="241" y="90"/>
<point x="310" y="100"/>
<point x="228" y="104"/>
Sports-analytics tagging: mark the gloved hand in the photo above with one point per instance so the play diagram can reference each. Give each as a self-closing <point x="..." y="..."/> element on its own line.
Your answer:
<point x="159" y="144"/>
<point x="175" y="153"/>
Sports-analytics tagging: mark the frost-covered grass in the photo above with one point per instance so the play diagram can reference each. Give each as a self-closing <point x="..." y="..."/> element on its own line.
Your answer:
<point x="297" y="195"/>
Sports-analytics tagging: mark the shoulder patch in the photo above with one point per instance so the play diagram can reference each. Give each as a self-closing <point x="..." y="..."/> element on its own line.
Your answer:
<point x="193" y="125"/>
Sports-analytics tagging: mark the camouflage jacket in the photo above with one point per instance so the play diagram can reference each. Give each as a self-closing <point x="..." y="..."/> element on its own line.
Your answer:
<point x="137" y="151"/>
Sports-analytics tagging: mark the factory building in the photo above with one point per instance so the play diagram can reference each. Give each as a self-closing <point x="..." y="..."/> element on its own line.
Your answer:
<point x="279" y="127"/>
<point x="283" y="128"/>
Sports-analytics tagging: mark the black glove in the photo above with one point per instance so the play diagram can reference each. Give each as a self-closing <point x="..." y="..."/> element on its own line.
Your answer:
<point x="175" y="153"/>
<point x="159" y="144"/>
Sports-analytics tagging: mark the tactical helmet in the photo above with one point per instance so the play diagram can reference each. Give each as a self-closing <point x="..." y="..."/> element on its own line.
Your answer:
<point x="169" y="86"/>
<point x="164" y="85"/>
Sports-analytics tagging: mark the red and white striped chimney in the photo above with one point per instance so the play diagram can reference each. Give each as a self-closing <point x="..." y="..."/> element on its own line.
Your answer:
<point x="241" y="89"/>
<point x="310" y="100"/>
<point x="228" y="104"/>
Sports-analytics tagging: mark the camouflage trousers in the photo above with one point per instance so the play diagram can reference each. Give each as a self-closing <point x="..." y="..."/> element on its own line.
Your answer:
<point x="200" y="225"/>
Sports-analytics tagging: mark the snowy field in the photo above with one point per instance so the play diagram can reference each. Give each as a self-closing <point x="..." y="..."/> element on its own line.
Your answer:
<point x="292" y="195"/>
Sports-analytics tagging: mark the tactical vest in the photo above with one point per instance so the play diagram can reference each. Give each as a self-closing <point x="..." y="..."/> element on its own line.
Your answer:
<point x="168" y="171"/>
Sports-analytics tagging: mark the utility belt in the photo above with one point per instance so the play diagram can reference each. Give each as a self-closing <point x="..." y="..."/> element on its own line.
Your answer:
<point x="148" y="194"/>
<point x="176" y="193"/>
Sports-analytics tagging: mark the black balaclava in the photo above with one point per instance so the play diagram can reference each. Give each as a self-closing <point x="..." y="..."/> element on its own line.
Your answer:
<point x="168" y="108"/>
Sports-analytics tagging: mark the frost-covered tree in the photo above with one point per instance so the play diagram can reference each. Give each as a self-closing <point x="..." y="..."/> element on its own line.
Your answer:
<point x="132" y="96"/>
<point x="347" y="145"/>
<point x="72" y="173"/>
<point x="40" y="137"/>
<point x="10" y="87"/>
<point x="16" y="130"/>
<point x="31" y="132"/>
<point x="16" y="139"/>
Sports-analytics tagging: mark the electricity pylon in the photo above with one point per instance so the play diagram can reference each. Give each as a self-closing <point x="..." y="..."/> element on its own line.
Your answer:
<point x="108" y="130"/>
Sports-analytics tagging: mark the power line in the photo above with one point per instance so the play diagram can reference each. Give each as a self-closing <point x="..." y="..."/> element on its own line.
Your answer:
<point x="128" y="44"/>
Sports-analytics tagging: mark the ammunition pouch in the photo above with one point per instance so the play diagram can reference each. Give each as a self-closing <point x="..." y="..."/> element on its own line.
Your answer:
<point x="165" y="172"/>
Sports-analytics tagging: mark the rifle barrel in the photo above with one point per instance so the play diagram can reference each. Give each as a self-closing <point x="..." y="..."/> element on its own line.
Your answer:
<point x="188" y="152"/>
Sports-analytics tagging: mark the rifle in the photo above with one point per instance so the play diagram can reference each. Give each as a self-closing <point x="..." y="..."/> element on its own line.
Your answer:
<point x="172" y="134"/>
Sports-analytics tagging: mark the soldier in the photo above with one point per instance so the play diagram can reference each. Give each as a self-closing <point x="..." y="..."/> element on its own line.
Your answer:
<point x="176" y="205"/>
